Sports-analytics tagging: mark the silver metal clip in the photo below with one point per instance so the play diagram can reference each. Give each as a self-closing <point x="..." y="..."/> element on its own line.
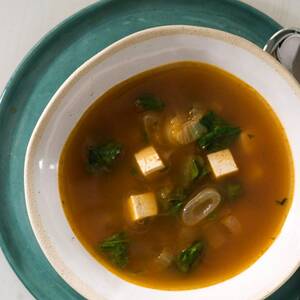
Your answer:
<point x="284" y="45"/>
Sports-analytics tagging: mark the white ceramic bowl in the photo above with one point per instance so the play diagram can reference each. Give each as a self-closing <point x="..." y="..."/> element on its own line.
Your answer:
<point x="130" y="56"/>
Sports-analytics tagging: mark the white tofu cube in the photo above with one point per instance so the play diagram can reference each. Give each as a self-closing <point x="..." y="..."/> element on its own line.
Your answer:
<point x="149" y="161"/>
<point x="222" y="163"/>
<point x="142" y="206"/>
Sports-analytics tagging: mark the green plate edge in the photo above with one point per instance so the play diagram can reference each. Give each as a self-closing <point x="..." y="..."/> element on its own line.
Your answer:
<point x="46" y="67"/>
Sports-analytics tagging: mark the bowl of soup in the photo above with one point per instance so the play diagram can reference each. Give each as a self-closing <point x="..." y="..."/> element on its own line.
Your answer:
<point x="166" y="167"/>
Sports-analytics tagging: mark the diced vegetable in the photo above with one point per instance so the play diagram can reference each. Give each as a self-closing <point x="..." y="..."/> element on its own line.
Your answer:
<point x="196" y="112"/>
<point x="142" y="206"/>
<point x="152" y="127"/>
<point x="103" y="156"/>
<point x="149" y="161"/>
<point x="232" y="224"/>
<point x="222" y="163"/>
<point x="116" y="248"/>
<point x="181" y="131"/>
<point x="164" y="260"/>
<point x="193" y="169"/>
<point x="164" y="193"/>
<point x="215" y="236"/>
<point x="188" y="257"/>
<point x="233" y="190"/>
<point x="247" y="142"/>
<point x="220" y="134"/>
<point x="149" y="102"/>
<point x="203" y="204"/>
<point x="150" y="121"/>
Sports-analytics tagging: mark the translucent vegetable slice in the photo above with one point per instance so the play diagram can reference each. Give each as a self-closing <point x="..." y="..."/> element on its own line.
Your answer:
<point x="200" y="206"/>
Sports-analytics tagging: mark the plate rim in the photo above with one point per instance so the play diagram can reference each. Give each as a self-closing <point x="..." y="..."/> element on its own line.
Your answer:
<point x="130" y="40"/>
<point x="38" y="47"/>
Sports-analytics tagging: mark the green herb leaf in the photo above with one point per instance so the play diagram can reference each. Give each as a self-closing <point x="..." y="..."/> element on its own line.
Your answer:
<point x="187" y="258"/>
<point x="212" y="216"/>
<point x="176" y="201"/>
<point x="102" y="157"/>
<point x="116" y="248"/>
<point x="220" y="134"/>
<point x="150" y="102"/>
<point x="171" y="200"/>
<point x="233" y="190"/>
<point x="282" y="201"/>
<point x="134" y="171"/>
<point x="175" y="206"/>
<point x="194" y="168"/>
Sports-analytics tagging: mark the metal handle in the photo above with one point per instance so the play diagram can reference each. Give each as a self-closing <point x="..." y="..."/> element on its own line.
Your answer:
<point x="284" y="45"/>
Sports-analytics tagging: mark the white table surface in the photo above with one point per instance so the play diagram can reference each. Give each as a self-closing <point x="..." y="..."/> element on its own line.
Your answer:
<point x="23" y="23"/>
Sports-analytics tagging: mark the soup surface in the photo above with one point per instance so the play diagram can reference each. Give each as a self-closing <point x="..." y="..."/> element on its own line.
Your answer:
<point x="177" y="178"/>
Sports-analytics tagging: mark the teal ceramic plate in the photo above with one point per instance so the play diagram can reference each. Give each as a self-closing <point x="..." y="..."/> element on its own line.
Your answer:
<point x="47" y="66"/>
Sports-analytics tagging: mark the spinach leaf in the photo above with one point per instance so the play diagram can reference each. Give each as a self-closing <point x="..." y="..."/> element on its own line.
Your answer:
<point x="233" y="190"/>
<point x="175" y="206"/>
<point x="172" y="200"/>
<point x="102" y="156"/>
<point x="194" y="168"/>
<point x="220" y="134"/>
<point x="176" y="201"/>
<point x="187" y="258"/>
<point x="150" y="103"/>
<point x="134" y="171"/>
<point x="116" y="248"/>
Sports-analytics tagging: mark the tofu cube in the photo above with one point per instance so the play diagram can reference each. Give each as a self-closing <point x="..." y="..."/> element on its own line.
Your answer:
<point x="142" y="206"/>
<point x="222" y="163"/>
<point x="149" y="161"/>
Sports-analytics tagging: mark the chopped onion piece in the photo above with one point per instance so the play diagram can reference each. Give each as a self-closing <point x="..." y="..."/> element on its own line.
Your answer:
<point x="232" y="224"/>
<point x="200" y="206"/>
<point x="247" y="143"/>
<point x="152" y="125"/>
<point x="183" y="132"/>
<point x="151" y="122"/>
<point x="163" y="260"/>
<point x="196" y="113"/>
<point x="215" y="236"/>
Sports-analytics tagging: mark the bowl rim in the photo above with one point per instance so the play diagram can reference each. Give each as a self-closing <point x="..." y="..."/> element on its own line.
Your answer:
<point x="135" y="38"/>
